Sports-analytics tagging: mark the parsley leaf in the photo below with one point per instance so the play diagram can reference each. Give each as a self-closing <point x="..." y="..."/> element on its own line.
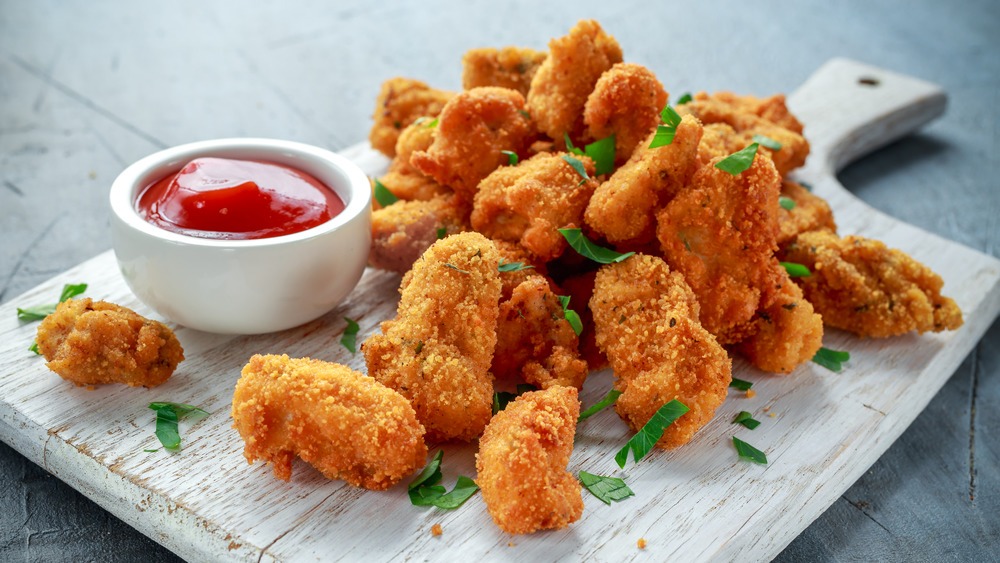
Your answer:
<point x="578" y="166"/>
<point x="425" y="491"/>
<point x="511" y="157"/>
<point x="441" y="232"/>
<point x="34" y="348"/>
<point x="167" y="415"/>
<point x="665" y="133"/>
<point x="611" y="397"/>
<point x="796" y="270"/>
<point x="512" y="266"/>
<point x="831" y="359"/>
<point x="456" y="268"/>
<point x="502" y="398"/>
<point x="746" y="419"/>
<point x="748" y="452"/>
<point x="571" y="316"/>
<point x="349" y="339"/>
<point x="588" y="249"/>
<point x="605" y="488"/>
<point x="383" y="196"/>
<point x="738" y="161"/>
<point x="647" y="436"/>
<point x="740" y="384"/>
<point x="786" y="202"/>
<point x="39" y="312"/>
<point x="570" y="147"/>
<point x="767" y="142"/>
<point x="603" y="154"/>
<point x="684" y="99"/>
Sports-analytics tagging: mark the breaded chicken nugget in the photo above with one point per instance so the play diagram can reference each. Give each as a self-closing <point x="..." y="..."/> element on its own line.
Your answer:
<point x="530" y="202"/>
<point x="560" y="88"/>
<point x="402" y="231"/>
<point x="522" y="459"/>
<point x="473" y="130"/>
<point x="512" y="253"/>
<point x="402" y="179"/>
<point x="400" y="102"/>
<point x="342" y="422"/>
<point x="647" y="323"/>
<point x="788" y="333"/>
<point x="510" y="67"/>
<point x="720" y="234"/>
<point x="811" y="213"/>
<point x="626" y="102"/>
<point x="623" y="209"/>
<point x="438" y="350"/>
<point x="534" y="339"/>
<point x="92" y="342"/>
<point x="863" y="286"/>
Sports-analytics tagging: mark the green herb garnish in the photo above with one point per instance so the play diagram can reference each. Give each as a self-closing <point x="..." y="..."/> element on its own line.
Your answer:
<point x="570" y="147"/>
<point x="684" y="99"/>
<point x="588" y="249"/>
<point x="603" y="154"/>
<point x="786" y="202"/>
<point x="646" y="437"/>
<point x="746" y="419"/>
<point x="740" y="384"/>
<point x="34" y="348"/>
<point x="831" y="359"/>
<point x="605" y="488"/>
<point x="383" y="196"/>
<point x="571" y="316"/>
<point x="665" y="133"/>
<point x="511" y="157"/>
<point x="502" y="398"/>
<point x="796" y="270"/>
<point x="767" y="142"/>
<point x="167" y="415"/>
<point x="350" y="336"/>
<point x="441" y="232"/>
<point x="524" y="113"/>
<point x="748" y="452"/>
<point x="578" y="166"/>
<point x="738" y="161"/>
<point x="456" y="268"/>
<point x="512" y="266"/>
<point x="425" y="491"/>
<point x="611" y="397"/>
<point x="431" y="123"/>
<point x="39" y="312"/>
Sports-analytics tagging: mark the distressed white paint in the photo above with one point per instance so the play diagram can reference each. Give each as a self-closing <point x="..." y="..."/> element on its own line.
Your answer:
<point x="207" y="504"/>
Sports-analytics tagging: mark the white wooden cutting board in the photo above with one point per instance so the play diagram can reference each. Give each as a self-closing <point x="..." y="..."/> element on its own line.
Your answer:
<point x="699" y="502"/>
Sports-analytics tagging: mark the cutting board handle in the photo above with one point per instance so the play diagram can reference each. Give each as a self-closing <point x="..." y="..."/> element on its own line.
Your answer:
<point x="850" y="109"/>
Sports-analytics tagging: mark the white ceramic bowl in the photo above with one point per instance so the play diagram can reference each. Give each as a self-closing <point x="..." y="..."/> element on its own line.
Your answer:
<point x="243" y="286"/>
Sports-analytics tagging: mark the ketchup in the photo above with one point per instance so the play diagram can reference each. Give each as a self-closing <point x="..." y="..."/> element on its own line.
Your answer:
<point x="219" y="198"/>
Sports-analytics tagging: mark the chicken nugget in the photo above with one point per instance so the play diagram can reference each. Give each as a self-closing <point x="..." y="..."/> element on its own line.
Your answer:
<point x="402" y="179"/>
<point x="522" y="459"/>
<point x="473" y="130"/>
<point x="560" y="88"/>
<point x="342" y="422"/>
<point x="401" y="232"/>
<point x="720" y="234"/>
<point x="400" y="102"/>
<point x="510" y="67"/>
<point x="438" y="350"/>
<point x="626" y="102"/>
<point x="534" y="339"/>
<point x="863" y="286"/>
<point x="646" y="319"/>
<point x="92" y="342"/>
<point x="530" y="202"/>
<point x="810" y="213"/>
<point x="623" y="209"/>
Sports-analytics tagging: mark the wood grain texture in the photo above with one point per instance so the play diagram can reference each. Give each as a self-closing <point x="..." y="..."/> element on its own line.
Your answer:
<point x="206" y="503"/>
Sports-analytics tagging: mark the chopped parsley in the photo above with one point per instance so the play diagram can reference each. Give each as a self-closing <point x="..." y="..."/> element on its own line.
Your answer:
<point x="796" y="270"/>
<point x="611" y="397"/>
<point x="665" y="133"/>
<point x="647" y="436"/>
<point x="741" y="384"/>
<point x="767" y="142"/>
<point x="511" y="157"/>
<point x="512" y="266"/>
<point x="746" y="419"/>
<point x="578" y="166"/>
<point x="684" y="99"/>
<point x="605" y="488"/>
<point x="167" y="415"/>
<point x="39" y="312"/>
<point x="430" y="122"/>
<point x="831" y="359"/>
<point x="441" y="232"/>
<point x="502" y="398"/>
<point x="603" y="154"/>
<point x="456" y="268"/>
<point x="349" y="339"/>
<point x="738" y="161"/>
<point x="786" y="202"/>
<point x="571" y="316"/>
<point x="383" y="196"/>
<point x="588" y="249"/>
<point x="570" y="147"/>
<point x="748" y="452"/>
<point x="425" y="490"/>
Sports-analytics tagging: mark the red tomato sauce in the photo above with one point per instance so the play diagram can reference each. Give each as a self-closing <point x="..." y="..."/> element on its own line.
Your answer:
<point x="219" y="198"/>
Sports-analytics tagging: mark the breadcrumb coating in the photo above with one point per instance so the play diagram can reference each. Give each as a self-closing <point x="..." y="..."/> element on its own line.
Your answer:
<point x="400" y="102"/>
<point x="522" y="459"/>
<point x="811" y="213"/>
<point x="402" y="231"/>
<point x="646" y="319"/>
<point x="510" y="67"/>
<point x="438" y="350"/>
<point x="863" y="286"/>
<point x="342" y="422"/>
<point x="560" y="88"/>
<point x="626" y="102"/>
<point x="93" y="342"/>
<point x="402" y="179"/>
<point x="530" y="202"/>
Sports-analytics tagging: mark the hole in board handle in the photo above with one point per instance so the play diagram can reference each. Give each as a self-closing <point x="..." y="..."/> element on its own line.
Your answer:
<point x="868" y="81"/>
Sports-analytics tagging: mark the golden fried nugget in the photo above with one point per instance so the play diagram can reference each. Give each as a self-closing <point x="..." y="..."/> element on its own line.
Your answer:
<point x="530" y="202"/>
<point x="473" y="130"/>
<point x="789" y="332"/>
<point x="402" y="231"/>
<point x="623" y="209"/>
<point x="400" y="102"/>
<point x="560" y="88"/>
<point x="646" y="319"/>
<point x="626" y="102"/>
<point x="811" y="213"/>
<point x="510" y="67"/>
<point x="534" y="339"/>
<point x="402" y="179"/>
<point x="863" y="286"/>
<point x="720" y="234"/>
<point x="438" y="350"/>
<point x="92" y="342"/>
<point x="342" y="422"/>
<point x="513" y="253"/>
<point x="522" y="459"/>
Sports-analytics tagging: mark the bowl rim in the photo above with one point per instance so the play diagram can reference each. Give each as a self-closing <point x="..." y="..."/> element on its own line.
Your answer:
<point x="125" y="188"/>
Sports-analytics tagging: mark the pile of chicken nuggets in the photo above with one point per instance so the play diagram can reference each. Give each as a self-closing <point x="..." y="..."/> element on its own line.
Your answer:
<point x="485" y="178"/>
